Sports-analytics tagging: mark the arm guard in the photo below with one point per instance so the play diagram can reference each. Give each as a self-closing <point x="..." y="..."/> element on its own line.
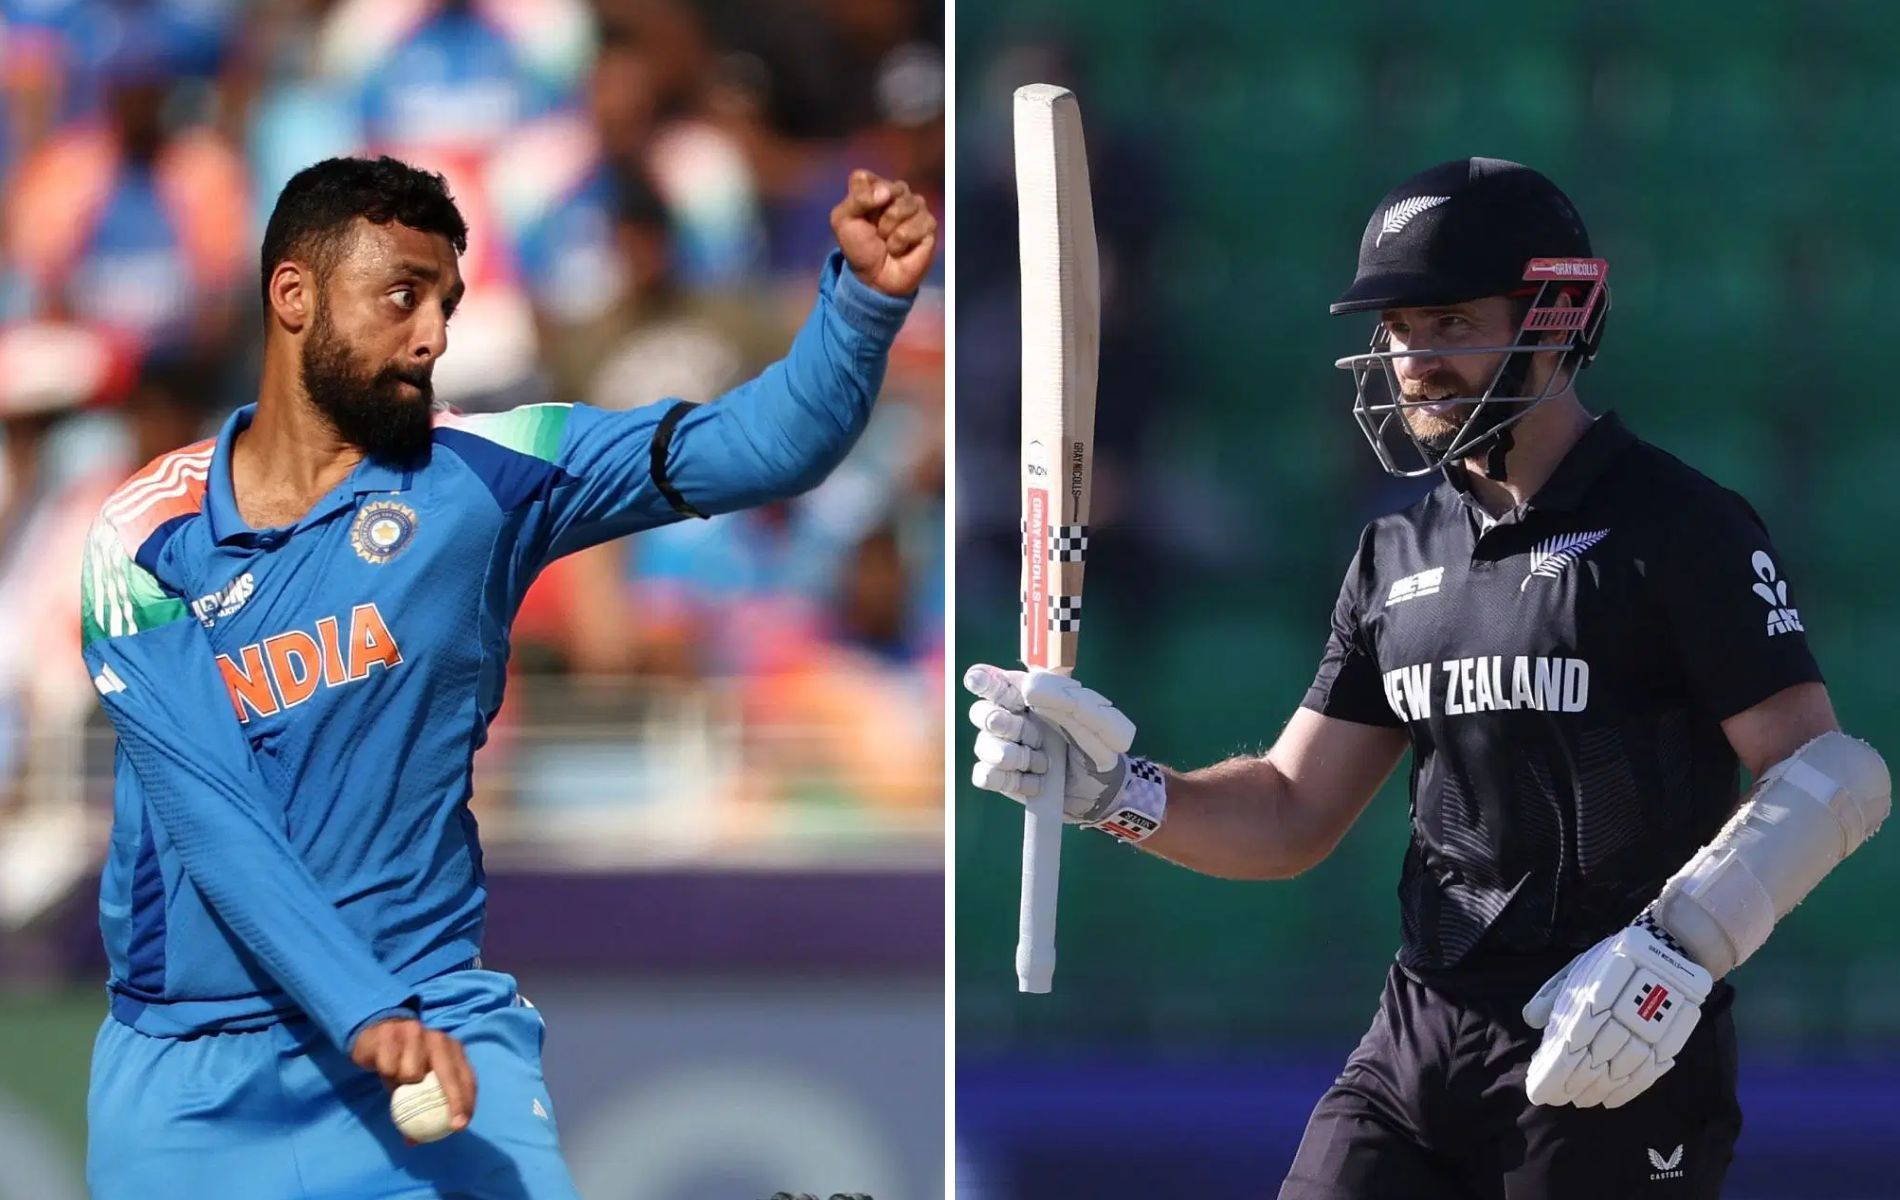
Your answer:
<point x="1805" y="814"/>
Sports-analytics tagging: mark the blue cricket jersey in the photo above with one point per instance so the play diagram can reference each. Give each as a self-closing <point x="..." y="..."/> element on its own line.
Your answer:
<point x="298" y="707"/>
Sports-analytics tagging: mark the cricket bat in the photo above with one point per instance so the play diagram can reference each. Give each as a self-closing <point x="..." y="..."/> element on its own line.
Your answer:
<point x="1062" y="306"/>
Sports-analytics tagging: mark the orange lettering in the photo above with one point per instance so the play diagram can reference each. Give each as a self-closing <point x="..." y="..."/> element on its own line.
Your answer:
<point x="293" y="662"/>
<point x="249" y="685"/>
<point x="370" y="642"/>
<point x="286" y="669"/>
<point x="332" y="652"/>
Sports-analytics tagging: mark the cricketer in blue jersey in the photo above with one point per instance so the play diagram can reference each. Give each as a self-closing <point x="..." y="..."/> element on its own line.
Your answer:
<point x="300" y="629"/>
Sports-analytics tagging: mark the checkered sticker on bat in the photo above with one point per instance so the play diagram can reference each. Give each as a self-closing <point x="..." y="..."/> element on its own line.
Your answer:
<point x="1065" y="614"/>
<point x="1068" y="543"/>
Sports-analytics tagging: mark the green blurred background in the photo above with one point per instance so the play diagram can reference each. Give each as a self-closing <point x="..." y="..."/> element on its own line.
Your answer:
<point x="1735" y="164"/>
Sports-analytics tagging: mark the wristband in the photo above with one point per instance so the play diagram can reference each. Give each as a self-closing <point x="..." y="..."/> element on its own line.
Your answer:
<point x="1139" y="805"/>
<point x="1647" y="922"/>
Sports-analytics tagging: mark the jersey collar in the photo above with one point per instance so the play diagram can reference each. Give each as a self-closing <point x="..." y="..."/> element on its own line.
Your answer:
<point x="1600" y="445"/>
<point x="1567" y="486"/>
<point x="221" y="501"/>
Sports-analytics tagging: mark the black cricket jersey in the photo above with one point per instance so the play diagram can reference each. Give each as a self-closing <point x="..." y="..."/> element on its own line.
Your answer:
<point x="1563" y="674"/>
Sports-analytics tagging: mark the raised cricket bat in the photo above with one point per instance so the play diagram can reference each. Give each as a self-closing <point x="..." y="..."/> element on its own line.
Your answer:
<point x="1062" y="319"/>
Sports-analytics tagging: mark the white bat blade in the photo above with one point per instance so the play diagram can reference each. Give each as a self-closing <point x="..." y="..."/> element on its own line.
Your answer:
<point x="1061" y="337"/>
<point x="1061" y="315"/>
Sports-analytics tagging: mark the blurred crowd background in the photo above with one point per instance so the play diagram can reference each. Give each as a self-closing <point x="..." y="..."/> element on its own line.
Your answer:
<point x="647" y="184"/>
<point x="1735" y="164"/>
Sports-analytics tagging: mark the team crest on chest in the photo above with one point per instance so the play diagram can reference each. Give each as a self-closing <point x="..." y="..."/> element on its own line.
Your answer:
<point x="1550" y="557"/>
<point x="383" y="529"/>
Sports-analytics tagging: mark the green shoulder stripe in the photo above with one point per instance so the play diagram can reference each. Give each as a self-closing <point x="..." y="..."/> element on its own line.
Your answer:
<point x="533" y="429"/>
<point x="117" y="596"/>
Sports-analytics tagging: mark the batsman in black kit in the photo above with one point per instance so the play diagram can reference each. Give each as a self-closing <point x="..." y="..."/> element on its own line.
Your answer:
<point x="1581" y="639"/>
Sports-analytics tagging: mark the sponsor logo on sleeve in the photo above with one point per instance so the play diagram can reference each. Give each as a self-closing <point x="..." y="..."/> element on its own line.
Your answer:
<point x="1782" y="617"/>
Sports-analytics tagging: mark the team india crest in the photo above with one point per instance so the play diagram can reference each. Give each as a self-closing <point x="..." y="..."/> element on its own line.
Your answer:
<point x="382" y="530"/>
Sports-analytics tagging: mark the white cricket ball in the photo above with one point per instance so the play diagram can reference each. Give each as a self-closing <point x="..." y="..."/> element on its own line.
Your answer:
<point x="421" y="1110"/>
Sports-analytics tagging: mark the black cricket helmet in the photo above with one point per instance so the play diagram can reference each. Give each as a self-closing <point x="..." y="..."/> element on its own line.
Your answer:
<point x="1463" y="230"/>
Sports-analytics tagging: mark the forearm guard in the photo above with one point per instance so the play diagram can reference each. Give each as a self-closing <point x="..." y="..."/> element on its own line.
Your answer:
<point x="1805" y="814"/>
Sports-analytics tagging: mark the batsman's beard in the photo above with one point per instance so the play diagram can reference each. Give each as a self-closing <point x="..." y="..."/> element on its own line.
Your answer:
<point x="1435" y="413"/>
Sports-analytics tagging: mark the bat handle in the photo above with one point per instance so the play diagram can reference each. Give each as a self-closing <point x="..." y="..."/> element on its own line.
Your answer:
<point x="1042" y="869"/>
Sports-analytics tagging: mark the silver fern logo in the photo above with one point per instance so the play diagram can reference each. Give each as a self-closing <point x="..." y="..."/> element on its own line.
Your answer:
<point x="1400" y="215"/>
<point x="1553" y="556"/>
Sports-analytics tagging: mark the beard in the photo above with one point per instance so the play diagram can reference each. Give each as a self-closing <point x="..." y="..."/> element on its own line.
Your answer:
<point x="1437" y="430"/>
<point x="369" y="408"/>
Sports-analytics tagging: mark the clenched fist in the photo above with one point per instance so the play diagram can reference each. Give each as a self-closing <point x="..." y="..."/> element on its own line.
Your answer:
<point x="886" y="232"/>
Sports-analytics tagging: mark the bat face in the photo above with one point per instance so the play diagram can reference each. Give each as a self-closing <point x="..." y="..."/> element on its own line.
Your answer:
<point x="1061" y="314"/>
<point x="1037" y="480"/>
<point x="1061" y="331"/>
<point x="1055" y="545"/>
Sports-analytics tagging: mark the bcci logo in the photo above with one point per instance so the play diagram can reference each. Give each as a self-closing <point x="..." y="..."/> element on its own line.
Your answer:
<point x="382" y="530"/>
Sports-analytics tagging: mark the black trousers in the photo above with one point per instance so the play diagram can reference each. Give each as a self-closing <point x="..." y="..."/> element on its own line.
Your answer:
<point x="1431" y="1106"/>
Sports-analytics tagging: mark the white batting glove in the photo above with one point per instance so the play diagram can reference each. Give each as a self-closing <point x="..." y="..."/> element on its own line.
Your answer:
<point x="1613" y="1020"/>
<point x="1021" y="714"/>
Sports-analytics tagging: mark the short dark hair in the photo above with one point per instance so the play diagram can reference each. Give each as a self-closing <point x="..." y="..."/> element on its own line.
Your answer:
<point x="316" y="208"/>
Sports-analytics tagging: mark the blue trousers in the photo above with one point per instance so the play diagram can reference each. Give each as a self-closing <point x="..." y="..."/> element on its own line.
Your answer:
<point x="281" y="1114"/>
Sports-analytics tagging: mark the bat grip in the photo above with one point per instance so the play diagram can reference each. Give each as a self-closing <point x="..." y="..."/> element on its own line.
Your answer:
<point x="1042" y="869"/>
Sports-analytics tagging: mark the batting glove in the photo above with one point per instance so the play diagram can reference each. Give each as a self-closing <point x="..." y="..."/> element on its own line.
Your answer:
<point x="1021" y="716"/>
<point x="1614" y="1019"/>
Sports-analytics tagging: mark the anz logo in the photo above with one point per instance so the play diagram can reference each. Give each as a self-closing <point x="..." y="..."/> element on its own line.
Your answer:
<point x="1782" y="617"/>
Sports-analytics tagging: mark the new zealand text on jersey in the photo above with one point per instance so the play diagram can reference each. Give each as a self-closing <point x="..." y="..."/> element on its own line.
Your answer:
<point x="1477" y="685"/>
<point x="285" y="670"/>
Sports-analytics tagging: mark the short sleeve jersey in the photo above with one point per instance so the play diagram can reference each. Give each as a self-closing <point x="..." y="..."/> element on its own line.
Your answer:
<point x="1563" y="674"/>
